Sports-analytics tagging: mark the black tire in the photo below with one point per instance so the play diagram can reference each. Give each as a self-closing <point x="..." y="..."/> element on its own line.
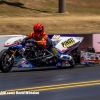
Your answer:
<point x="5" y="66"/>
<point x="72" y="62"/>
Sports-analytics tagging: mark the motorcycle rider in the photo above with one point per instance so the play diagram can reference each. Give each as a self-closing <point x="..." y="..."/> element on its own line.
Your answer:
<point x="42" y="39"/>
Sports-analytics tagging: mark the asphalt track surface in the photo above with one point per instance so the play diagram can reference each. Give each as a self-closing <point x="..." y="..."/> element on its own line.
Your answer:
<point x="78" y="83"/>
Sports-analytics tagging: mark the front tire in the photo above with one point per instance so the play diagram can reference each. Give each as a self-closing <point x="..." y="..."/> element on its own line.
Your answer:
<point x="5" y="65"/>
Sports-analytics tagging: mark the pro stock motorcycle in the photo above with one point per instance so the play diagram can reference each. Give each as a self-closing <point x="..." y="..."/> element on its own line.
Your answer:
<point x="32" y="55"/>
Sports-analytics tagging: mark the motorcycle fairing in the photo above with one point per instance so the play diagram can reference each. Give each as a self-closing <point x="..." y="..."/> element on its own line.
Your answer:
<point x="22" y="63"/>
<point x="15" y="42"/>
<point x="69" y="43"/>
<point x="62" y="63"/>
<point x="68" y="50"/>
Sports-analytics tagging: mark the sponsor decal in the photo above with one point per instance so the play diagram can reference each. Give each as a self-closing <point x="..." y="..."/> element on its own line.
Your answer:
<point x="56" y="37"/>
<point x="68" y="42"/>
<point x="54" y="51"/>
<point x="82" y="59"/>
<point x="92" y="58"/>
<point x="88" y="59"/>
<point x="96" y="62"/>
<point x="66" y="62"/>
<point x="25" y="65"/>
<point x="96" y="58"/>
<point x="59" y="64"/>
<point x="89" y="54"/>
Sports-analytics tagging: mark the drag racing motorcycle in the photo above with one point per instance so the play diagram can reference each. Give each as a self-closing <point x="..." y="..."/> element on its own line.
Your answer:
<point x="32" y="55"/>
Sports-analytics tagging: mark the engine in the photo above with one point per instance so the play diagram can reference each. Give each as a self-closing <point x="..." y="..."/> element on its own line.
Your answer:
<point x="39" y="56"/>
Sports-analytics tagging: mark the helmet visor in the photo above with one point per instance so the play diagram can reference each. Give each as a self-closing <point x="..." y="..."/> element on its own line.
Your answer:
<point x="38" y="31"/>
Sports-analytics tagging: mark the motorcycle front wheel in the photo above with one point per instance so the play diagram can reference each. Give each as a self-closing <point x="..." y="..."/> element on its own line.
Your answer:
<point x="5" y="64"/>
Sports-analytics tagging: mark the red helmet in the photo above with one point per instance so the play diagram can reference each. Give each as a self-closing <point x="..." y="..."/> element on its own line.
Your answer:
<point x="38" y="30"/>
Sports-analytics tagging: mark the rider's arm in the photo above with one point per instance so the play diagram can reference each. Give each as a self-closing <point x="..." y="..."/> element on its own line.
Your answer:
<point x="43" y="41"/>
<point x="30" y="35"/>
<point x="26" y="38"/>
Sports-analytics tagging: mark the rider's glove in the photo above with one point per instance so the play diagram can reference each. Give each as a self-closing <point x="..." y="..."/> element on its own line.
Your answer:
<point x="24" y="41"/>
<point x="32" y="41"/>
<point x="35" y="42"/>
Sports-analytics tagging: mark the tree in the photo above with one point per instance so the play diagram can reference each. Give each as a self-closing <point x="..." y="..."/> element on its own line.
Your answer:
<point x="62" y="6"/>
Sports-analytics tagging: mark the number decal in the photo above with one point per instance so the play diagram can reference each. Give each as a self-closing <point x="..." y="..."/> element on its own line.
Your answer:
<point x="68" y="42"/>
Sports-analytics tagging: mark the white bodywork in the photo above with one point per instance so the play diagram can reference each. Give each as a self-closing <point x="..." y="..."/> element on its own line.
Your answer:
<point x="61" y="43"/>
<point x="57" y="41"/>
<point x="14" y="40"/>
<point x="66" y="41"/>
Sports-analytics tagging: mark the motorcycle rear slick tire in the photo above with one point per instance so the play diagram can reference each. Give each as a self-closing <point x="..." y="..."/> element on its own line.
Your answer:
<point x="72" y="63"/>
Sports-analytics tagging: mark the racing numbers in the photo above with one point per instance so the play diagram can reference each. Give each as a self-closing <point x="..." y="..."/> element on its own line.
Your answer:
<point x="68" y="42"/>
<point x="54" y="51"/>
